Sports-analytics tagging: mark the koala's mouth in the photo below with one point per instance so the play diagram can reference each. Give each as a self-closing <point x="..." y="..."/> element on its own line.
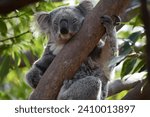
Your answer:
<point x="63" y="38"/>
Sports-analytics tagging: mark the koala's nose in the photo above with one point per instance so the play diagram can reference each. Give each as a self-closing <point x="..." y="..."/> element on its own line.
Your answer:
<point x="64" y="31"/>
<point x="64" y="26"/>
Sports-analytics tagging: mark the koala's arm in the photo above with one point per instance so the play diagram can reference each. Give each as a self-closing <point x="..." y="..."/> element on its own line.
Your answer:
<point x="110" y="48"/>
<point x="39" y="67"/>
<point x="107" y="48"/>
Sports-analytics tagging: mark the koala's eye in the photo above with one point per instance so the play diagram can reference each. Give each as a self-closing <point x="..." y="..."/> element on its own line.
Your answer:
<point x="74" y="20"/>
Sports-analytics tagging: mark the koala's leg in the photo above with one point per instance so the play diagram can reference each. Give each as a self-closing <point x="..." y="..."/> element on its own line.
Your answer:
<point x="39" y="67"/>
<point x="88" y="88"/>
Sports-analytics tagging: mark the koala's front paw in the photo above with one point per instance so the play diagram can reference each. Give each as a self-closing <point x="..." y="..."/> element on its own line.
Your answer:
<point x="107" y="23"/>
<point x="33" y="77"/>
<point x="116" y="20"/>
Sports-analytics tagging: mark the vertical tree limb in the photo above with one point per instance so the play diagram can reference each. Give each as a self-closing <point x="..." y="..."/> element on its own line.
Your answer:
<point x="146" y="20"/>
<point x="141" y="91"/>
<point x="74" y="53"/>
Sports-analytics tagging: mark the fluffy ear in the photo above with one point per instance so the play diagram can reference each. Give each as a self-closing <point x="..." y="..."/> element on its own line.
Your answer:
<point x="43" y="20"/>
<point x="85" y="7"/>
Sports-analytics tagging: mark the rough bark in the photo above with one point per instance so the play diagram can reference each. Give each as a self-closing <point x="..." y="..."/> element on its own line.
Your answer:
<point x="74" y="53"/>
<point x="146" y="21"/>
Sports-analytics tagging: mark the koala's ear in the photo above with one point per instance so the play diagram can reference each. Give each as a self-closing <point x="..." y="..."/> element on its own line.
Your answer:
<point x="43" y="20"/>
<point x="85" y="7"/>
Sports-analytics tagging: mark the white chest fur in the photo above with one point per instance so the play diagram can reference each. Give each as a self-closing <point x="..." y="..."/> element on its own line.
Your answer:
<point x="55" y="48"/>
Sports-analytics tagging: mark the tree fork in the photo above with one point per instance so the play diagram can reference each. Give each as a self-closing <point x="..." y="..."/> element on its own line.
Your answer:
<point x="67" y="62"/>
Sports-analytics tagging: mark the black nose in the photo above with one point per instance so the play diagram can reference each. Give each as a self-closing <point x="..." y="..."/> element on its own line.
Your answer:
<point x="64" y="30"/>
<point x="64" y="26"/>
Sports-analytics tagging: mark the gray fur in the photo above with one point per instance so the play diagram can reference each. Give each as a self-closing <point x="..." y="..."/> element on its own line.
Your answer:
<point x="90" y="81"/>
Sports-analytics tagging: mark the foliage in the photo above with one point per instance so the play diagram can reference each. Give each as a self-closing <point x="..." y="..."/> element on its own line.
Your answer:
<point x="16" y="39"/>
<point x="131" y="59"/>
<point x="133" y="48"/>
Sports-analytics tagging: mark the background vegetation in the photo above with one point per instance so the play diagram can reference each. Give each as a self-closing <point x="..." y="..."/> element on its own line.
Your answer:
<point x="20" y="46"/>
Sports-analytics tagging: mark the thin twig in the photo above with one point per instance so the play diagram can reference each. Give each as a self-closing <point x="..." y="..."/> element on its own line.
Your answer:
<point x="15" y="36"/>
<point x="16" y="16"/>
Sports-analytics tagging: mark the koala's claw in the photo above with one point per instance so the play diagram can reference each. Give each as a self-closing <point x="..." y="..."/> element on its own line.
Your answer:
<point x="33" y="82"/>
<point x="33" y="77"/>
<point x="106" y="20"/>
<point x="116" y="20"/>
<point x="108" y="24"/>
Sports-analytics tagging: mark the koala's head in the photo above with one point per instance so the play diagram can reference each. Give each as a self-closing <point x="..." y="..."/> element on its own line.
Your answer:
<point x="64" y="22"/>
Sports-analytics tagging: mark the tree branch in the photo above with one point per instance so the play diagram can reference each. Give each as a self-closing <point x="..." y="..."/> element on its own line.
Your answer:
<point x="15" y="16"/>
<point x="127" y="83"/>
<point x="15" y="36"/>
<point x="67" y="62"/>
<point x="141" y="91"/>
<point x="146" y="20"/>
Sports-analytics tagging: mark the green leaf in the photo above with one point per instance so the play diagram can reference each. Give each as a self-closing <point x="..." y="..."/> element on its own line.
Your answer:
<point x="116" y="60"/>
<point x="3" y="27"/>
<point x="127" y="47"/>
<point x="139" y="66"/>
<point x="17" y="59"/>
<point x="128" y="66"/>
<point x="4" y="68"/>
<point x="25" y="59"/>
<point x="134" y="36"/>
<point x="136" y="21"/>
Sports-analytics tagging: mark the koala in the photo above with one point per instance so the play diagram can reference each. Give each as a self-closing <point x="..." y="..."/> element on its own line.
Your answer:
<point x="60" y="25"/>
